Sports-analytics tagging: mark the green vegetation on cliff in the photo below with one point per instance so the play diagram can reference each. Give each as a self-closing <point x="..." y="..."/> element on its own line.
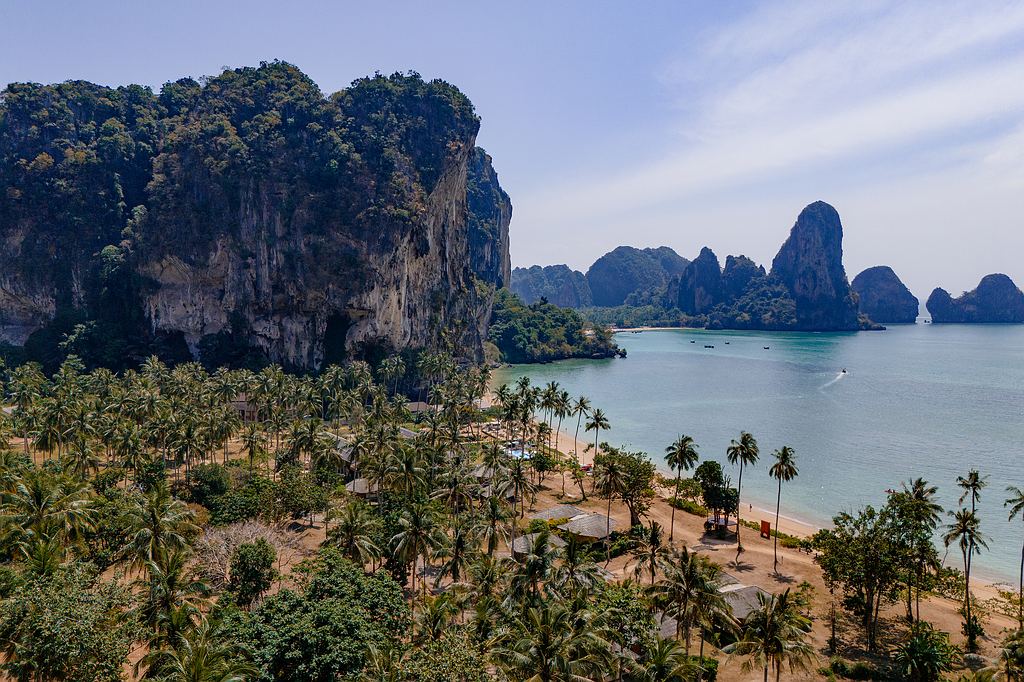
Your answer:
<point x="541" y="332"/>
<point x="245" y="216"/>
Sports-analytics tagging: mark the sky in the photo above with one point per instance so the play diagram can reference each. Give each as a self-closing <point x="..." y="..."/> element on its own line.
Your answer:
<point x="676" y="123"/>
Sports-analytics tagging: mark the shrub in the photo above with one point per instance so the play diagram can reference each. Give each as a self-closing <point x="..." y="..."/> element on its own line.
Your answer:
<point x="207" y="482"/>
<point x="252" y="571"/>
<point x="689" y="506"/>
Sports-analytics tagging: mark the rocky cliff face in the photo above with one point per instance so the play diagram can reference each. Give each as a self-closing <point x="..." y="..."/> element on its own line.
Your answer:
<point x="737" y="275"/>
<point x="249" y="213"/>
<point x="810" y="266"/>
<point x="626" y="270"/>
<point x="996" y="299"/>
<point x="559" y="284"/>
<point x="883" y="297"/>
<point x="490" y="212"/>
<point x="700" y="285"/>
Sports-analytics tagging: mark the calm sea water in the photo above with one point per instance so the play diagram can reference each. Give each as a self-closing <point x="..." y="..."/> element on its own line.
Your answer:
<point x="917" y="400"/>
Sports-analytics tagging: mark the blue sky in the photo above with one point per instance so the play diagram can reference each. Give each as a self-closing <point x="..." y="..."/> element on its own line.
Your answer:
<point x="678" y="123"/>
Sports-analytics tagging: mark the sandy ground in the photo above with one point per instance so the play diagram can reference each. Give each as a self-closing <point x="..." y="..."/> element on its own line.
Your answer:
<point x="755" y="567"/>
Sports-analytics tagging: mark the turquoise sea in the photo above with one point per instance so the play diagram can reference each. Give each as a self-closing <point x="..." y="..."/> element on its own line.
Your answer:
<point x="916" y="400"/>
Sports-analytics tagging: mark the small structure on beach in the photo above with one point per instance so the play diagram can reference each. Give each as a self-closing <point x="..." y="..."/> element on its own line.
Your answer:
<point x="362" y="487"/>
<point x="590" y="527"/>
<point x="742" y="599"/>
<point x="343" y="447"/>
<point x="245" y="408"/>
<point x="559" y="511"/>
<point x="524" y="543"/>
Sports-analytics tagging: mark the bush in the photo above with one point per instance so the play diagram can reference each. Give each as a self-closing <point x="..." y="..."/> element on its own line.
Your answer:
<point x="688" y="506"/>
<point x="853" y="671"/>
<point x="207" y="482"/>
<point x="709" y="666"/>
<point x="252" y="571"/>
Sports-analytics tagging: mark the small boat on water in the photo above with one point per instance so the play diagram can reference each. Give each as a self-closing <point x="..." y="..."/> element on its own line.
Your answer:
<point x="767" y="347"/>
<point x="844" y="370"/>
<point x="692" y="341"/>
<point x="708" y="345"/>
<point x="727" y="343"/>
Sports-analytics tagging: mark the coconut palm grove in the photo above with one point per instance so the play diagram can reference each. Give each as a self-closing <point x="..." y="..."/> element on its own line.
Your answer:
<point x="175" y="524"/>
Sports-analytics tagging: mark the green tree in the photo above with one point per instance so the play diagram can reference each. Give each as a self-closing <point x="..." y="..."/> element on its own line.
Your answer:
<point x="783" y="470"/>
<point x="1016" y="504"/>
<point x="965" y="530"/>
<point x="745" y="453"/>
<point x="680" y="456"/>
<point x="204" y="654"/>
<point x="774" y="637"/>
<point x="925" y="654"/>
<point x="252" y="570"/>
<point x="68" y="626"/>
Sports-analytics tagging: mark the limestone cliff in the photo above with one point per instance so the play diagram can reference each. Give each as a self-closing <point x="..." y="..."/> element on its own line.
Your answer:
<point x="559" y="284"/>
<point x="490" y="212"/>
<point x="810" y="266"/>
<point x="700" y="285"/>
<point x="247" y="214"/>
<point x="626" y="270"/>
<point x="883" y="297"/>
<point x="996" y="299"/>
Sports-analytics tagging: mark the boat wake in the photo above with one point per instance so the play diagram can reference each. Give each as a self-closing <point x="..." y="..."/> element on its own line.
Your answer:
<point x="834" y="380"/>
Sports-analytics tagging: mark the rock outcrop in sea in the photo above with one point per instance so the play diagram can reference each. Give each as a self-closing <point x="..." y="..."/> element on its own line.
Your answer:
<point x="558" y="284"/>
<point x="996" y="299"/>
<point x="810" y="266"/>
<point x="883" y="297"/>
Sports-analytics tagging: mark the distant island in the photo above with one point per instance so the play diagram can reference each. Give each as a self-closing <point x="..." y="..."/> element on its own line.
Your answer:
<point x="806" y="289"/>
<point x="883" y="297"/>
<point x="996" y="299"/>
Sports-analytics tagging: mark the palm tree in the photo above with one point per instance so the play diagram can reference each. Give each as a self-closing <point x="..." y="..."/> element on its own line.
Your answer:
<point x="493" y="528"/>
<point x="254" y="444"/>
<point x="745" y="453"/>
<point x="688" y="581"/>
<point x="576" y="572"/>
<point x="650" y="548"/>
<point x="611" y="480"/>
<point x="597" y="421"/>
<point x="170" y="587"/>
<point x="156" y="522"/>
<point x="202" y="655"/>
<point x="773" y="636"/>
<point x="420" y="536"/>
<point x="924" y="515"/>
<point x="1016" y="504"/>
<point x="580" y="408"/>
<point x="666" y="661"/>
<point x="353" y="533"/>
<point x="965" y="531"/>
<point x="38" y="504"/>
<point x="551" y="643"/>
<point x="972" y="485"/>
<point x="461" y="548"/>
<point x="784" y="469"/>
<point x="925" y="654"/>
<point x="81" y="459"/>
<point x="680" y="456"/>
<point x="533" y="569"/>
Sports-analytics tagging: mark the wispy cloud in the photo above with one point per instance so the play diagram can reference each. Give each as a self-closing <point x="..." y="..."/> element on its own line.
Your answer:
<point x="825" y="88"/>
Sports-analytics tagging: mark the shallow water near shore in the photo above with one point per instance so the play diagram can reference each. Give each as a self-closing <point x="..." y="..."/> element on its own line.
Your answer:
<point x="916" y="400"/>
